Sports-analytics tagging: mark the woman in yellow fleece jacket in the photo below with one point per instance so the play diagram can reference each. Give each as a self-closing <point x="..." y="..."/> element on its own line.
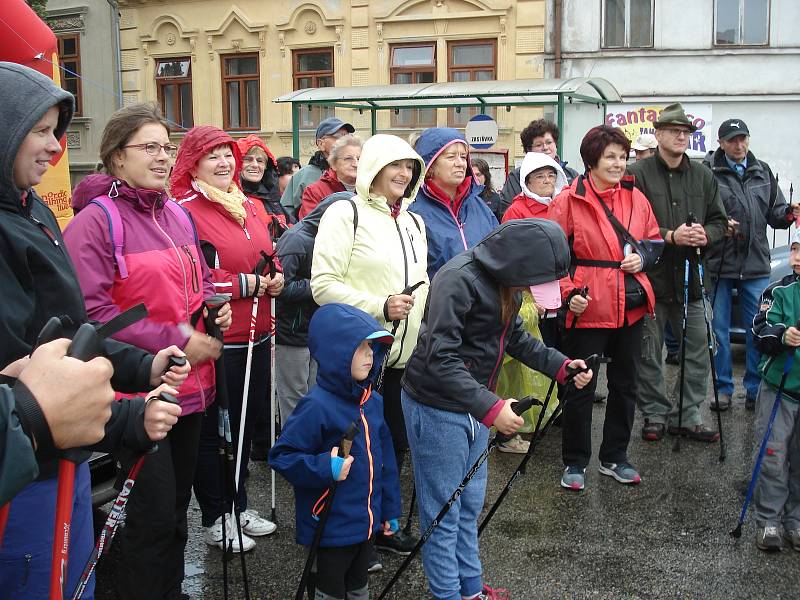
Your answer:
<point x="368" y="260"/>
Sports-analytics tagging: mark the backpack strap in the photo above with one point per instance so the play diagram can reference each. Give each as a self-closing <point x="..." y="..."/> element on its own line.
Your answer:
<point x="116" y="231"/>
<point x="355" y="215"/>
<point x="180" y="214"/>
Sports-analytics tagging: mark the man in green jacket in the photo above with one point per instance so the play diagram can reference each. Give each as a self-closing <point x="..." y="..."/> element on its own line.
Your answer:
<point x="677" y="188"/>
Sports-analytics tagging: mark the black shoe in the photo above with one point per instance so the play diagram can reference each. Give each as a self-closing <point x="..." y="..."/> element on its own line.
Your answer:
<point x="259" y="452"/>
<point x="724" y="403"/>
<point x="373" y="564"/>
<point x="673" y="359"/>
<point x="750" y="403"/>
<point x="398" y="542"/>
<point x="598" y="398"/>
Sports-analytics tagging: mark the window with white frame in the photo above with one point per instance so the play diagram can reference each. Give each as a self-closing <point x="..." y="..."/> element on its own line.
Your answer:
<point x="741" y="22"/>
<point x="628" y="23"/>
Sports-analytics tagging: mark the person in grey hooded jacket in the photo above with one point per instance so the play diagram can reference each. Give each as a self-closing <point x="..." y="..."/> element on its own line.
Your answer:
<point x="752" y="200"/>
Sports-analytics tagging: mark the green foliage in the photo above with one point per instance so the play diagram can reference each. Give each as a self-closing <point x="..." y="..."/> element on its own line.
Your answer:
<point x="39" y="7"/>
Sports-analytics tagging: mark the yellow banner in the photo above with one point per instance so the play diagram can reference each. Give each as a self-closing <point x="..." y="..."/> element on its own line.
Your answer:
<point x="55" y="188"/>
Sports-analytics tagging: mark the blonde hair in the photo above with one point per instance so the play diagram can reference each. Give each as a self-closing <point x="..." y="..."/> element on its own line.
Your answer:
<point x="342" y="143"/>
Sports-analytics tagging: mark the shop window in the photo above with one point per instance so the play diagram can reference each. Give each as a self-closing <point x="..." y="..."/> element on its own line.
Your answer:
<point x="474" y="60"/>
<point x="241" y="97"/>
<point x="413" y="63"/>
<point x="174" y="87"/>
<point x="313" y="69"/>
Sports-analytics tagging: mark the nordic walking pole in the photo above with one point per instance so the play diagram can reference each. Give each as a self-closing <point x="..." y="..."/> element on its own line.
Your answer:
<point x="258" y="272"/>
<point x="518" y="408"/>
<point x="117" y="513"/>
<point x="677" y="446"/>
<point x="592" y="362"/>
<point x="710" y="342"/>
<point x="227" y="459"/>
<point x="583" y="293"/>
<point x="273" y="391"/>
<point x="344" y="451"/>
<point x="762" y="450"/>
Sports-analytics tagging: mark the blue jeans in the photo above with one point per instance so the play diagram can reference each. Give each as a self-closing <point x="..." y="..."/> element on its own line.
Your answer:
<point x="444" y="446"/>
<point x="749" y="292"/>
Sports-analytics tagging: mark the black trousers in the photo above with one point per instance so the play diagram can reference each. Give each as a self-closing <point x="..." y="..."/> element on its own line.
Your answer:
<point x="153" y="540"/>
<point x="622" y="345"/>
<point x="208" y="481"/>
<point x="393" y="413"/>
<point x="342" y="569"/>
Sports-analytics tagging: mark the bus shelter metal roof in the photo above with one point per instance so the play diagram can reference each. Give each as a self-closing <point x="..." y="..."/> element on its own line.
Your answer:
<point x="482" y="94"/>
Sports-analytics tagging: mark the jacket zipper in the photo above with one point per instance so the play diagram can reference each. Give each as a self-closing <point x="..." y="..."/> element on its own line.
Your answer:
<point x="411" y="243"/>
<point x="185" y="294"/>
<point x="500" y="355"/>
<point x="371" y="468"/>
<point x="405" y="285"/>
<point x="195" y="283"/>
<point x="45" y="229"/>
<point x="25" y="573"/>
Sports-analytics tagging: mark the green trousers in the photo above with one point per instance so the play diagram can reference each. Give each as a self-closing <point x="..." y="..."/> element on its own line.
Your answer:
<point x="652" y="399"/>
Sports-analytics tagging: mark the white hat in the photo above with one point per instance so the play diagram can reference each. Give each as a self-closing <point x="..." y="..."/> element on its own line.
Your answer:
<point x="646" y="141"/>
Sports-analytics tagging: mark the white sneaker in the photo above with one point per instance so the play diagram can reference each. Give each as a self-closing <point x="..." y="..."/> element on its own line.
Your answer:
<point x="256" y="526"/>
<point x="213" y="535"/>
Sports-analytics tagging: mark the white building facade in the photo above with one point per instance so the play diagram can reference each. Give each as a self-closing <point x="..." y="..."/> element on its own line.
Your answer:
<point x="721" y="58"/>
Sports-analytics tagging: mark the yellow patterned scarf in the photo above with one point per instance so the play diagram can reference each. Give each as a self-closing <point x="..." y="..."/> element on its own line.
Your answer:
<point x="233" y="200"/>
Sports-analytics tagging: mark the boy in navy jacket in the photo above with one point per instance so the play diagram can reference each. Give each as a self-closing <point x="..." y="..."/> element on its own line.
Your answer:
<point x="349" y="347"/>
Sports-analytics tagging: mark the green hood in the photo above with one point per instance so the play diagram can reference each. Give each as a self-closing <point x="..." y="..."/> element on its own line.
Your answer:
<point x="379" y="151"/>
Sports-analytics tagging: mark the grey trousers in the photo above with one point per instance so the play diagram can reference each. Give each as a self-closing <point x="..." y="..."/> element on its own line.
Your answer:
<point x="652" y="400"/>
<point x="296" y="374"/>
<point x="777" y="496"/>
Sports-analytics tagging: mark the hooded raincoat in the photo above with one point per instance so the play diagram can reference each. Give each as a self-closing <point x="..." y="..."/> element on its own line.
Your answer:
<point x="384" y="256"/>
<point x="266" y="190"/>
<point x="39" y="282"/>
<point x="527" y="204"/>
<point x="371" y="494"/>
<point x="456" y="226"/>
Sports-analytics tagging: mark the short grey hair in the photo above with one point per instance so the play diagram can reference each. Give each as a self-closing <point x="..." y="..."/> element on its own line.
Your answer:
<point x="342" y="143"/>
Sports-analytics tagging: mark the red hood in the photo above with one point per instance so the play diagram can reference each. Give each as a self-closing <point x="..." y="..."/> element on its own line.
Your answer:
<point x="198" y="142"/>
<point x="248" y="143"/>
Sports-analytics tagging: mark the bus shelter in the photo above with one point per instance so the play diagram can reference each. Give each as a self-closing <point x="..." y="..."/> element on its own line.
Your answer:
<point x="579" y="102"/>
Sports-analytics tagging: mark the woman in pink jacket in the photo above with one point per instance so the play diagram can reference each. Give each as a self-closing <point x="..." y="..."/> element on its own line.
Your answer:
<point x="131" y="244"/>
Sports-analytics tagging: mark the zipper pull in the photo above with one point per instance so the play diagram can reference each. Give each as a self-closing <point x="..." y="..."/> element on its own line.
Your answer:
<point x="245" y="232"/>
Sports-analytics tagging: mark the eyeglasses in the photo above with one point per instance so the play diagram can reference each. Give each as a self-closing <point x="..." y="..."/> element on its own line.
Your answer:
<point x="350" y="160"/>
<point x="336" y="135"/>
<point x="154" y="149"/>
<point x="256" y="159"/>
<point x="676" y="132"/>
<point x="545" y="177"/>
<point x="540" y="145"/>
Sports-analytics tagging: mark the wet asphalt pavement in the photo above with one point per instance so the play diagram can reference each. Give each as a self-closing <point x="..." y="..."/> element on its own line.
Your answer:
<point x="666" y="538"/>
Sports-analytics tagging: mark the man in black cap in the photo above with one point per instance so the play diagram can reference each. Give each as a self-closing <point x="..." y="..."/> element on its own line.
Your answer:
<point x="676" y="189"/>
<point x="752" y="200"/>
<point x="328" y="131"/>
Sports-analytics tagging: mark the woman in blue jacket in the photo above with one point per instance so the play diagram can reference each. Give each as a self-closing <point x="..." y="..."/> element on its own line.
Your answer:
<point x="449" y="201"/>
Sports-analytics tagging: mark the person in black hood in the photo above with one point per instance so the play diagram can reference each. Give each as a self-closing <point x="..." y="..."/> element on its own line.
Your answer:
<point x="39" y="282"/>
<point x="470" y="321"/>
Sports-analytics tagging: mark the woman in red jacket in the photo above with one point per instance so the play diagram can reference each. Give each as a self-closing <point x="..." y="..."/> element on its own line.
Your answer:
<point x="614" y="238"/>
<point x="233" y="233"/>
<point x="542" y="179"/>
<point x="340" y="177"/>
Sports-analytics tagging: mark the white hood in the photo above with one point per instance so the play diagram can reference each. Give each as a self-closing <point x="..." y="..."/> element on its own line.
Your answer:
<point x="537" y="160"/>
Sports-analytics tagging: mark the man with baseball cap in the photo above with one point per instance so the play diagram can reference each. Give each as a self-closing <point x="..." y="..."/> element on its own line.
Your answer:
<point x="752" y="200"/>
<point x="645" y="146"/>
<point x="677" y="188"/>
<point x="328" y="131"/>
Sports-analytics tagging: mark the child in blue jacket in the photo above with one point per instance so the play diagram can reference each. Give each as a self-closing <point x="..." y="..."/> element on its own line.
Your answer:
<point x="349" y="347"/>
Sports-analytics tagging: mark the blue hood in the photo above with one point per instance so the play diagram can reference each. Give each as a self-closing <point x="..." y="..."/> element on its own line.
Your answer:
<point x="433" y="140"/>
<point x="335" y="331"/>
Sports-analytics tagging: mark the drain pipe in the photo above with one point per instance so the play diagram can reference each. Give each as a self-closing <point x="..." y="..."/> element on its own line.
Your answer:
<point x="118" y="42"/>
<point x="557" y="41"/>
